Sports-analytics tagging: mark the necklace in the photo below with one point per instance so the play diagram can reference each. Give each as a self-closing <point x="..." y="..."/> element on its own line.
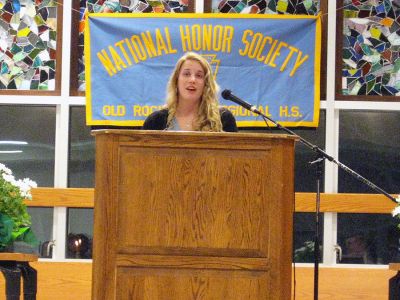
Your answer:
<point x="185" y="123"/>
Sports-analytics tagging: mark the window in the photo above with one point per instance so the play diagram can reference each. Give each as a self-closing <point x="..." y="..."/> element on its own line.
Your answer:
<point x="369" y="145"/>
<point x="80" y="233"/>
<point x="304" y="172"/>
<point x="81" y="150"/>
<point x="27" y="141"/>
<point x="368" y="238"/>
<point x="304" y="237"/>
<point x="42" y="226"/>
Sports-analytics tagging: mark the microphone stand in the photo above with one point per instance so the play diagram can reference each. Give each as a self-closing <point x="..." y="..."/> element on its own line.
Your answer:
<point x="318" y="162"/>
<point x="321" y="156"/>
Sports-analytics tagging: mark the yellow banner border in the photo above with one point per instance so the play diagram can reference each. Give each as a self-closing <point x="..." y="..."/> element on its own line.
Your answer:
<point x="137" y="123"/>
<point x="200" y="16"/>
<point x="89" y="119"/>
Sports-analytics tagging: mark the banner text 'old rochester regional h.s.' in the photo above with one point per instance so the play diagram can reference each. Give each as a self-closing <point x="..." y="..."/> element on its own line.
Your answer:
<point x="270" y="61"/>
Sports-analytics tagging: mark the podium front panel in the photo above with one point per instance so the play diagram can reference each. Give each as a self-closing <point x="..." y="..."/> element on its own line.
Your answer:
<point x="187" y="208"/>
<point x="194" y="215"/>
<point x="186" y="284"/>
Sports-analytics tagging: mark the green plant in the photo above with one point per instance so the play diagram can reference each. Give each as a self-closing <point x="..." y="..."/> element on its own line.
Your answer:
<point x="15" y="221"/>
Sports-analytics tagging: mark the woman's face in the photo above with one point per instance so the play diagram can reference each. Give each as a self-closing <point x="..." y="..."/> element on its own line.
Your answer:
<point x="191" y="82"/>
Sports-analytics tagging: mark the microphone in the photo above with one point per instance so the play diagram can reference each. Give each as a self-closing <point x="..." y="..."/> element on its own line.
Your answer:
<point x="227" y="94"/>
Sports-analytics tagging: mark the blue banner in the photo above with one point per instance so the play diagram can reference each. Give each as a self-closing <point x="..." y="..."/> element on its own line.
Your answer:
<point x="271" y="61"/>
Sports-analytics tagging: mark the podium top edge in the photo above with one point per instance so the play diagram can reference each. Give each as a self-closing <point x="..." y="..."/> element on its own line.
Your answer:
<point x="133" y="132"/>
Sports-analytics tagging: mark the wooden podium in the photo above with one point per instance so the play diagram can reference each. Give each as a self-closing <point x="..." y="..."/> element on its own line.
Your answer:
<point x="190" y="215"/>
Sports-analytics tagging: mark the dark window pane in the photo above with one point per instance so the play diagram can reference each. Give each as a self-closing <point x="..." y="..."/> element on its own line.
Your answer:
<point x="304" y="236"/>
<point x="42" y="226"/>
<point x="305" y="174"/>
<point x="368" y="238"/>
<point x="305" y="181"/>
<point x="81" y="150"/>
<point x="369" y="144"/>
<point x="79" y="233"/>
<point x="27" y="139"/>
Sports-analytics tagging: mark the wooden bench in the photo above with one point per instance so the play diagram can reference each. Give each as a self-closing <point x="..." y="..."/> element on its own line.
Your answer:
<point x="15" y="265"/>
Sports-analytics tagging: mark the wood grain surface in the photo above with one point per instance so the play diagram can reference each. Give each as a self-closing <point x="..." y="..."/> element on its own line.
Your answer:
<point x="305" y="202"/>
<point x="72" y="281"/>
<point x="183" y="209"/>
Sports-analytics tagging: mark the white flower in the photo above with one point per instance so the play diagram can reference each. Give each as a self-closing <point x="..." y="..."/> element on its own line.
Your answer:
<point x="396" y="211"/>
<point x="31" y="183"/>
<point x="9" y="178"/>
<point x="24" y="186"/>
<point x="4" y="169"/>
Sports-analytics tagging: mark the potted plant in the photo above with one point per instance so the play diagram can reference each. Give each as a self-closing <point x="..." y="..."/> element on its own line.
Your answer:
<point x="15" y="221"/>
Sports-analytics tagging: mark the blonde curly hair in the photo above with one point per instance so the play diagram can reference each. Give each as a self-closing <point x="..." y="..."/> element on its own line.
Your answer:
<point x="208" y="116"/>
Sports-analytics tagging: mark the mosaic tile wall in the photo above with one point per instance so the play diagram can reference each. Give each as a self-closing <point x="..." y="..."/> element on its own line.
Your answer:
<point x="371" y="44"/>
<point x="124" y="6"/>
<point x="28" y="34"/>
<point x="293" y="7"/>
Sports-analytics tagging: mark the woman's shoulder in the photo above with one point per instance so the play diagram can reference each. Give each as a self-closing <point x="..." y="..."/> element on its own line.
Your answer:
<point x="223" y="109"/>
<point x="225" y="113"/>
<point x="157" y="120"/>
<point x="159" y="113"/>
<point x="228" y="120"/>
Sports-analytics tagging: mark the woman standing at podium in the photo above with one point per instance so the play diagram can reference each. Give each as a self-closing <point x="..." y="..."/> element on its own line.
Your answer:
<point x="192" y="101"/>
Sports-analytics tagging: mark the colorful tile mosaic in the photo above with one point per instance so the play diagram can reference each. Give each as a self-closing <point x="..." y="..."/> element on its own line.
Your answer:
<point x="120" y="6"/>
<point x="371" y="44"/>
<point x="292" y="7"/>
<point x="28" y="34"/>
